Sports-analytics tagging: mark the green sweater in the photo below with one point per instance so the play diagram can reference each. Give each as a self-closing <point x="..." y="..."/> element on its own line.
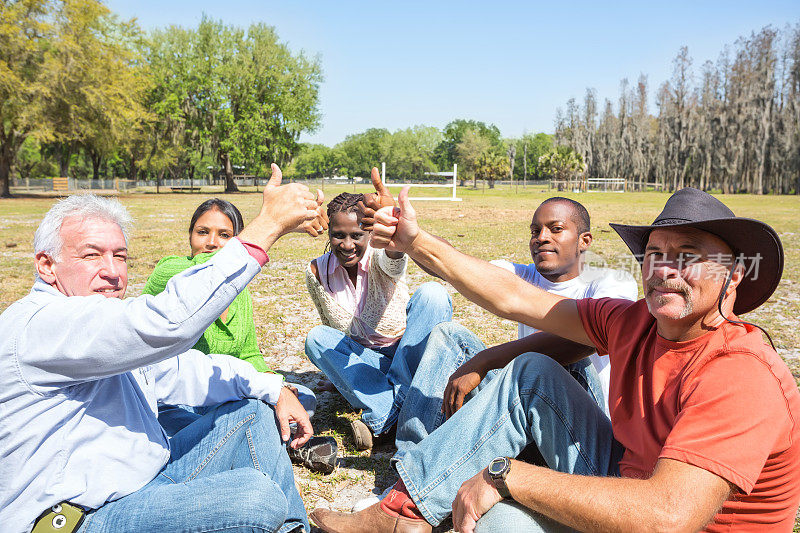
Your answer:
<point x="236" y="336"/>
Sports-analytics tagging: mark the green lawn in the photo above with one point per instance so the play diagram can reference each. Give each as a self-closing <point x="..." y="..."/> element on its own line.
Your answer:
<point x="487" y="223"/>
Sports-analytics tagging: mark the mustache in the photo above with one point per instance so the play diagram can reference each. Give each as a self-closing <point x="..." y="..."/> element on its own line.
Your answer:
<point x="669" y="284"/>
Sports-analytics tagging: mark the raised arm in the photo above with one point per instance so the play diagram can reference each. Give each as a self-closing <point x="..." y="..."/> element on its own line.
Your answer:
<point x="491" y="287"/>
<point x="98" y="337"/>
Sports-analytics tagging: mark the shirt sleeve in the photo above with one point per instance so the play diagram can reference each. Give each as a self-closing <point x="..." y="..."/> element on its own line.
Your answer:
<point x="76" y="339"/>
<point x="394" y="268"/>
<point x="598" y="317"/>
<point x="615" y="284"/>
<point x="729" y="431"/>
<point x="526" y="272"/>
<point x="194" y="378"/>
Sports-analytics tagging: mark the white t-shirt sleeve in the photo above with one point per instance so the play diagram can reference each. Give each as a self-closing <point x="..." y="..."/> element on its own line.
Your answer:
<point x="614" y="284"/>
<point x="526" y="272"/>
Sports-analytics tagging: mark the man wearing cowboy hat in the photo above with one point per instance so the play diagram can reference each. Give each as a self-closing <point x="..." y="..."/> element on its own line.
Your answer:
<point x="705" y="417"/>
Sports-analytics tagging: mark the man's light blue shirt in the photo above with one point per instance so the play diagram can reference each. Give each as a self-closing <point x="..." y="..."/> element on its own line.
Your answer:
<point x="80" y="378"/>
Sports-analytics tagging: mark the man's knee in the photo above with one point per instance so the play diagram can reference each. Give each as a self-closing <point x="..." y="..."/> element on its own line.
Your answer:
<point x="258" y="501"/>
<point x="535" y="365"/>
<point x="513" y="516"/>
<point x="454" y="334"/>
<point x="433" y="294"/>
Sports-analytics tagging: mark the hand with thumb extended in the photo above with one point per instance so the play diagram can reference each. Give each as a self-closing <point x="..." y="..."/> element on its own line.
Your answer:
<point x="395" y="227"/>
<point x="291" y="206"/>
<point x="374" y="201"/>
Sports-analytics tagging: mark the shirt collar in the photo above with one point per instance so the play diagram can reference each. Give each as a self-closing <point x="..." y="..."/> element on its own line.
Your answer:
<point x="363" y="263"/>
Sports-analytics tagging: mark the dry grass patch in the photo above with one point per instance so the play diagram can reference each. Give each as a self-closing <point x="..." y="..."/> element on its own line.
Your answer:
<point x="487" y="224"/>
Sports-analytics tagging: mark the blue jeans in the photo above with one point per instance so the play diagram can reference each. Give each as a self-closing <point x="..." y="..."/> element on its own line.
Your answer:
<point x="227" y="471"/>
<point x="533" y="400"/>
<point x="449" y="346"/>
<point x="377" y="381"/>
<point x="174" y="418"/>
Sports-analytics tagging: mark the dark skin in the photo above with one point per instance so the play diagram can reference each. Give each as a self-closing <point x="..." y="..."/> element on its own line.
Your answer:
<point x="374" y="201"/>
<point x="348" y="243"/>
<point x="556" y="247"/>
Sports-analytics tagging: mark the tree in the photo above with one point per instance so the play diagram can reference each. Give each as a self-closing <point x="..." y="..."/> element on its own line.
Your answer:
<point x="243" y="95"/>
<point x="738" y="129"/>
<point x="92" y="87"/>
<point x="362" y="151"/>
<point x="530" y="147"/>
<point x="315" y="161"/>
<point x="469" y="151"/>
<point x="492" y="166"/>
<point x="447" y="151"/>
<point x="563" y="164"/>
<point x="25" y="34"/>
<point x="409" y="152"/>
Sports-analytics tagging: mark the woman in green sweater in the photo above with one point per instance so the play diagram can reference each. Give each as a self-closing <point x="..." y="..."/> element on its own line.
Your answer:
<point x="213" y="223"/>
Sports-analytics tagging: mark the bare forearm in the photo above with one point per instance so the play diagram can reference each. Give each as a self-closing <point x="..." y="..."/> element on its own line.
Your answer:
<point x="497" y="290"/>
<point x="561" y="350"/>
<point x="613" y="504"/>
<point x="261" y="232"/>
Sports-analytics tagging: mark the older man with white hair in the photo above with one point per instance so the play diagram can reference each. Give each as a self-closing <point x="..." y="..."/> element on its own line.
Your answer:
<point x="704" y="432"/>
<point x="82" y="371"/>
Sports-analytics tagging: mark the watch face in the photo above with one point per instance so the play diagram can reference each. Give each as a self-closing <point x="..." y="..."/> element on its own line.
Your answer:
<point x="497" y="466"/>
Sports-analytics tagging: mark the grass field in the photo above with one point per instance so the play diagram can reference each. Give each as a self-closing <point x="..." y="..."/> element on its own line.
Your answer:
<point x="487" y="223"/>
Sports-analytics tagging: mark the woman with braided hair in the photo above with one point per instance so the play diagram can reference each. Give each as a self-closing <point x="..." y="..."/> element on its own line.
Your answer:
<point x="373" y="335"/>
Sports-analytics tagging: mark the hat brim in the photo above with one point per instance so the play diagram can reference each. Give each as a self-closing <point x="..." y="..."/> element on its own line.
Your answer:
<point x="746" y="236"/>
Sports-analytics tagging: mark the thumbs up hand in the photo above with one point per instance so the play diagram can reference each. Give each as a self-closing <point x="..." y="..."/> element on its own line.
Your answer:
<point x="395" y="228"/>
<point x="285" y="208"/>
<point x="375" y="201"/>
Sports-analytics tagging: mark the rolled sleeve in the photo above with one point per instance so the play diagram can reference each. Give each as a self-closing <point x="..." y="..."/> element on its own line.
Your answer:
<point x="394" y="268"/>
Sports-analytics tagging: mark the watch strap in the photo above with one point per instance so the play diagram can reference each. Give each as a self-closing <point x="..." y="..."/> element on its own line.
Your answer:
<point x="499" y="477"/>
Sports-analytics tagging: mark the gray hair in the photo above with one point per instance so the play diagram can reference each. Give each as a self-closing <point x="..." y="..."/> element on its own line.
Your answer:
<point x="48" y="235"/>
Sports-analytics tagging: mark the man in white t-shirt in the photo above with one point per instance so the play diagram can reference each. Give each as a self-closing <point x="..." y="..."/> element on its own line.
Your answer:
<point x="456" y="364"/>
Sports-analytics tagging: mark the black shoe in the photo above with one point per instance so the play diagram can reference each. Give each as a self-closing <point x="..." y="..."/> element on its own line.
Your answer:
<point x="318" y="454"/>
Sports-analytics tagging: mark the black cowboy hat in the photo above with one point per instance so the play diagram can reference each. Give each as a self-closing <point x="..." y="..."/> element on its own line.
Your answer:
<point x="755" y="243"/>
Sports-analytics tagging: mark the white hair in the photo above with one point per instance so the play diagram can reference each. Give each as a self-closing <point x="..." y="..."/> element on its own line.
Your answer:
<point x="48" y="235"/>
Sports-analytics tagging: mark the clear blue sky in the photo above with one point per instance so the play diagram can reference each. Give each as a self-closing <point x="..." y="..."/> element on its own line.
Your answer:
<point x="511" y="63"/>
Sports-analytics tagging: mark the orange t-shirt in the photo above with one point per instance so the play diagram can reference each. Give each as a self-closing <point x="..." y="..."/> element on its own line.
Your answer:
<point x="724" y="402"/>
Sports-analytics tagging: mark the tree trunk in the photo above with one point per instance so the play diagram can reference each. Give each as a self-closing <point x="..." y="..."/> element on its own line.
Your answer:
<point x="64" y="155"/>
<point x="525" y="166"/>
<point x="9" y="145"/>
<point x="230" y="185"/>
<point x="5" y="171"/>
<point x="96" y="161"/>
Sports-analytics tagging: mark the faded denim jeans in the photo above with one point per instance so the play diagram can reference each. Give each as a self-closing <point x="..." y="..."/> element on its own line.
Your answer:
<point x="174" y="418"/>
<point x="377" y="380"/>
<point x="533" y="400"/>
<point x="451" y="345"/>
<point x="228" y="471"/>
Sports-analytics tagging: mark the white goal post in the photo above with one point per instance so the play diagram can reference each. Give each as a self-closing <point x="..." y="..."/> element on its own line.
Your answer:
<point x="450" y="184"/>
<point x="606" y="185"/>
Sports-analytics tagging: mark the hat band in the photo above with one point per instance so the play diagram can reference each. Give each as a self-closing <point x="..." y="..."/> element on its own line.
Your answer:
<point x="668" y="221"/>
